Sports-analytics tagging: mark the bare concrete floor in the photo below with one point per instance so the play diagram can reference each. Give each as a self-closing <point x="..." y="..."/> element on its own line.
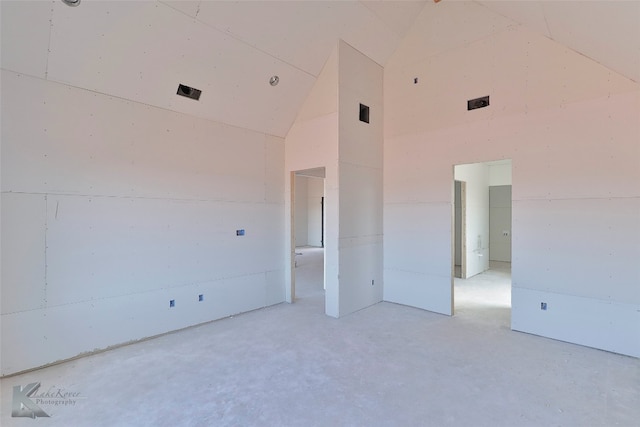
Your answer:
<point x="387" y="365"/>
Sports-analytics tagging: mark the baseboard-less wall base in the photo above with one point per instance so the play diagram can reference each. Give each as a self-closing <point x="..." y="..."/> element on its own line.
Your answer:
<point x="124" y="344"/>
<point x="606" y="325"/>
<point x="418" y="290"/>
<point x="67" y="331"/>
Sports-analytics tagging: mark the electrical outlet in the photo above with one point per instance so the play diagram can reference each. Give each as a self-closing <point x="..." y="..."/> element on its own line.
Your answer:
<point x="201" y="297"/>
<point x="372" y="282"/>
<point x="172" y="303"/>
<point x="543" y="306"/>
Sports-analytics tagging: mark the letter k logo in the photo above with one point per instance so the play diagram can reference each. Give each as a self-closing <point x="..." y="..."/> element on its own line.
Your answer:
<point x="22" y="405"/>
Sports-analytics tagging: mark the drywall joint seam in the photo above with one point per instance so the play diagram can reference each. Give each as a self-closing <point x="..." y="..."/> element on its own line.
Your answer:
<point x="125" y="197"/>
<point x="467" y="44"/>
<point x="379" y="18"/>
<point x="418" y="273"/>
<point x="237" y="38"/>
<point x="46" y="232"/>
<point x="557" y="199"/>
<point x="418" y="202"/>
<point x="359" y="165"/>
<point x="605" y="301"/>
<point x="119" y="98"/>
<point x="46" y="67"/>
<point x="148" y="291"/>
<point x="503" y="117"/>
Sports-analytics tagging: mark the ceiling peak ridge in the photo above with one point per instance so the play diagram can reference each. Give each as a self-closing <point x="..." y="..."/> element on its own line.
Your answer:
<point x="236" y="37"/>
<point x="386" y="24"/>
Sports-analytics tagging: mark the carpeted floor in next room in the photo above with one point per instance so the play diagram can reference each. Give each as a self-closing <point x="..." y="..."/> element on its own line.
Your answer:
<point x="387" y="365"/>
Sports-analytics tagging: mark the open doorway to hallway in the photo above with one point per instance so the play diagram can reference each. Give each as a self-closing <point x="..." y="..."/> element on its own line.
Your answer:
<point x="308" y="235"/>
<point x="481" y="259"/>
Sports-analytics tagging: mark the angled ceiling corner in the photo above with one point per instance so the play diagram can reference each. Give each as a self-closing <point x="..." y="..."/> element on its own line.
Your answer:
<point x="322" y="99"/>
<point x="607" y="32"/>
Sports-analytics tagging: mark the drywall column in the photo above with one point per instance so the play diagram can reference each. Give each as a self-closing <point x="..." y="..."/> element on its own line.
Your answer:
<point x="360" y="171"/>
<point x="328" y="133"/>
<point x="312" y="142"/>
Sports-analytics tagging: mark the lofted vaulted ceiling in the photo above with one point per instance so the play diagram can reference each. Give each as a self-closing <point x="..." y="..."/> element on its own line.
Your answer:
<point x="142" y="50"/>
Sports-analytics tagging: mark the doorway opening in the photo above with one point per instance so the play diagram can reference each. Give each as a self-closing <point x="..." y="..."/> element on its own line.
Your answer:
<point x="481" y="240"/>
<point x="308" y="236"/>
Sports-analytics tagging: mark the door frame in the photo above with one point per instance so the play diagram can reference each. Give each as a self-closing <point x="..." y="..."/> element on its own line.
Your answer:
<point x="463" y="229"/>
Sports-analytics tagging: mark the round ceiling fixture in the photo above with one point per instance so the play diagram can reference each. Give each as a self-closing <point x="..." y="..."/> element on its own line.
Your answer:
<point x="72" y="3"/>
<point x="273" y="81"/>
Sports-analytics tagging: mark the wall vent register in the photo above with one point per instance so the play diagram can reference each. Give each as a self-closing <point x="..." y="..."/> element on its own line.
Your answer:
<point x="474" y="104"/>
<point x="364" y="113"/>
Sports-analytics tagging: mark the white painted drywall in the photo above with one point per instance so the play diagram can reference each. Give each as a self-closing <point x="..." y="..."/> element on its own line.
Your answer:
<point x="500" y="223"/>
<point x="111" y="208"/>
<point x="476" y="177"/>
<point x="500" y="174"/>
<point x="570" y="127"/>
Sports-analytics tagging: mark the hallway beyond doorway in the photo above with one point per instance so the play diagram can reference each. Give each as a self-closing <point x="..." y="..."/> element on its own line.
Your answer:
<point x="309" y="272"/>
<point x="486" y="297"/>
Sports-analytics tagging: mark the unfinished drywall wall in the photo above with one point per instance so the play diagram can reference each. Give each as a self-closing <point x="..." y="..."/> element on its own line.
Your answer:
<point x="570" y="127"/>
<point x="476" y="177"/>
<point x="110" y="209"/>
<point x="360" y="170"/>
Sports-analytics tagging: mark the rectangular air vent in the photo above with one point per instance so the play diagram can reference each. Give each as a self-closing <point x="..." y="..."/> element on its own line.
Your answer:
<point x="364" y="113"/>
<point x="473" y="104"/>
<point x="188" y="92"/>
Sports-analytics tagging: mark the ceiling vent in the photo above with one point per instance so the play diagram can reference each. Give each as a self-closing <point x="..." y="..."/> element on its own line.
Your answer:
<point x="473" y="104"/>
<point x="189" y="92"/>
